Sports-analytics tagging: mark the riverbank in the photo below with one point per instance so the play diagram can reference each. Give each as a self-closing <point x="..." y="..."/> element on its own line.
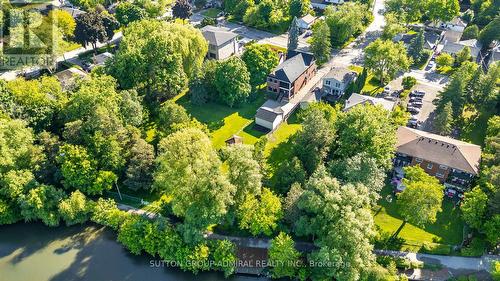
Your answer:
<point x="33" y="251"/>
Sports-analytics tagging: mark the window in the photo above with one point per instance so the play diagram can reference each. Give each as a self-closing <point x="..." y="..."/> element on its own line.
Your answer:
<point x="270" y="88"/>
<point x="429" y="166"/>
<point x="337" y="85"/>
<point x="327" y="82"/>
<point x="270" y="79"/>
<point x="439" y="175"/>
<point x="418" y="160"/>
<point x="443" y="167"/>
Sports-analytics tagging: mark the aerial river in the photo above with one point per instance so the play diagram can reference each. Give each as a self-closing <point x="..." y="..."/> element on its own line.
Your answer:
<point x="34" y="252"/>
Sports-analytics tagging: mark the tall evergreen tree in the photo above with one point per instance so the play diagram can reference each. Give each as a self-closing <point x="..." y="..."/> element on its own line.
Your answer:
<point x="443" y="121"/>
<point x="416" y="47"/>
<point x="293" y="35"/>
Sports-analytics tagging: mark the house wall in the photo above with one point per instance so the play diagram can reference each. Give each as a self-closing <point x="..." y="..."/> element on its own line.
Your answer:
<point x="432" y="169"/>
<point x="332" y="86"/>
<point x="302" y="80"/>
<point x="269" y="125"/>
<point x="224" y="51"/>
<point x="273" y="84"/>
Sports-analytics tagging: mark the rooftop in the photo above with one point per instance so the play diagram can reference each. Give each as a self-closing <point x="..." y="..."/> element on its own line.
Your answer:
<point x="217" y="36"/>
<point x="439" y="149"/>
<point x="356" y="99"/>
<point x="295" y="64"/>
<point x="341" y="74"/>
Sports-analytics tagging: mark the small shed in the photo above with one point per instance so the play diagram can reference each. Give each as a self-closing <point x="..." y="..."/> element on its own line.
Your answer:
<point x="234" y="139"/>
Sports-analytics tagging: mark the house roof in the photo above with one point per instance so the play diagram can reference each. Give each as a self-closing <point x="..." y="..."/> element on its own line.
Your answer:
<point x="356" y="99"/>
<point x="308" y="19"/>
<point x="431" y="38"/>
<point x="457" y="22"/>
<point x="452" y="36"/>
<point x="295" y="64"/>
<point x="341" y="74"/>
<point x="72" y="11"/>
<point x="67" y="76"/>
<point x="266" y="114"/>
<point x="439" y="149"/>
<point x="216" y="35"/>
<point x="102" y="58"/>
<point x="456" y="47"/>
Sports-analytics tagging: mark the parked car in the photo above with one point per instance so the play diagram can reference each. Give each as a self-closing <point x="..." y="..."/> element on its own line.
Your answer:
<point x="417" y="104"/>
<point x="432" y="64"/>
<point x="387" y="89"/>
<point x="413" y="110"/>
<point x="413" y="99"/>
<point x="417" y="94"/>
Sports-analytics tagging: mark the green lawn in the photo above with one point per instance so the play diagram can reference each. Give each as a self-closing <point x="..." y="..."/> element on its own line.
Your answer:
<point x="446" y="231"/>
<point x="211" y="12"/>
<point x="224" y="121"/>
<point x="372" y="86"/>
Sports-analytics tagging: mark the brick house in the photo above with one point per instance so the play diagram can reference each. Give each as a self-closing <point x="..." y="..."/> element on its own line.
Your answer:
<point x="291" y="75"/>
<point x="455" y="163"/>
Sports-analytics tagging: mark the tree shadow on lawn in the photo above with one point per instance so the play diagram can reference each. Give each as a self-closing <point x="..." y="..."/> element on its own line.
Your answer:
<point x="448" y="225"/>
<point x="213" y="114"/>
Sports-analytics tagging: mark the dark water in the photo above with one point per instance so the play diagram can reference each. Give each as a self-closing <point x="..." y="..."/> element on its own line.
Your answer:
<point x="89" y="252"/>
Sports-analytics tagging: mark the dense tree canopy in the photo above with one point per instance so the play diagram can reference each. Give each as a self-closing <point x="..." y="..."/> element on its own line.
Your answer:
<point x="260" y="60"/>
<point x="189" y="171"/>
<point x="386" y="58"/>
<point x="421" y="200"/>
<point x="158" y="57"/>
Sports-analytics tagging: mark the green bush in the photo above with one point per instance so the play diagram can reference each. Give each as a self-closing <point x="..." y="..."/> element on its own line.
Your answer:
<point x="495" y="271"/>
<point x="408" y="82"/>
<point x="436" y="249"/>
<point x="474" y="249"/>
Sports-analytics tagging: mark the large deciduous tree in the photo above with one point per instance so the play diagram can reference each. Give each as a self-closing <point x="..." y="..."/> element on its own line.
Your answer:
<point x="421" y="200"/>
<point x="367" y="129"/>
<point x="346" y="21"/>
<point x="341" y="224"/>
<point x="260" y="214"/>
<point x="189" y="170"/>
<point x="182" y="9"/>
<point x="386" y="58"/>
<point x="157" y="58"/>
<point x="320" y="42"/>
<point x="232" y="81"/>
<point x="283" y="256"/>
<point x="75" y="209"/>
<point x="260" y="60"/>
<point x="94" y="27"/>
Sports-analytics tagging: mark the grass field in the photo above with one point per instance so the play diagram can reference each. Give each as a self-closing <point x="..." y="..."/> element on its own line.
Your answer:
<point x="447" y="230"/>
<point x="211" y="13"/>
<point x="372" y="86"/>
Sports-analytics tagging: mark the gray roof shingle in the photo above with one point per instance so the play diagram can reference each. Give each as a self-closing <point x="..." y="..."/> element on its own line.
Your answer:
<point x="294" y="66"/>
<point x="217" y="36"/>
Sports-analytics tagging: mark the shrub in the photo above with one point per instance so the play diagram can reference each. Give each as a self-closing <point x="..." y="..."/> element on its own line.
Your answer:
<point x="444" y="59"/>
<point x="471" y="32"/>
<point x="475" y="248"/>
<point x="495" y="271"/>
<point x="408" y="82"/>
<point x="436" y="249"/>
<point x="106" y="213"/>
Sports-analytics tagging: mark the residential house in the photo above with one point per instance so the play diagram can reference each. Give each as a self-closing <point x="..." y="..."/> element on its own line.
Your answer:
<point x="453" y="48"/>
<point x="306" y="22"/>
<point x="336" y="81"/>
<point x="431" y="39"/>
<point x="456" y="24"/>
<point x="272" y="113"/>
<point x="221" y="43"/>
<point x="291" y="75"/>
<point x="455" y="163"/>
<point x="68" y="77"/>
<point x="357" y="99"/>
<point x="494" y="56"/>
<point x="99" y="60"/>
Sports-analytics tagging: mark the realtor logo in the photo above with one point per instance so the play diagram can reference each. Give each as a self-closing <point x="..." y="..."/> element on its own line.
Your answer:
<point x="27" y="34"/>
